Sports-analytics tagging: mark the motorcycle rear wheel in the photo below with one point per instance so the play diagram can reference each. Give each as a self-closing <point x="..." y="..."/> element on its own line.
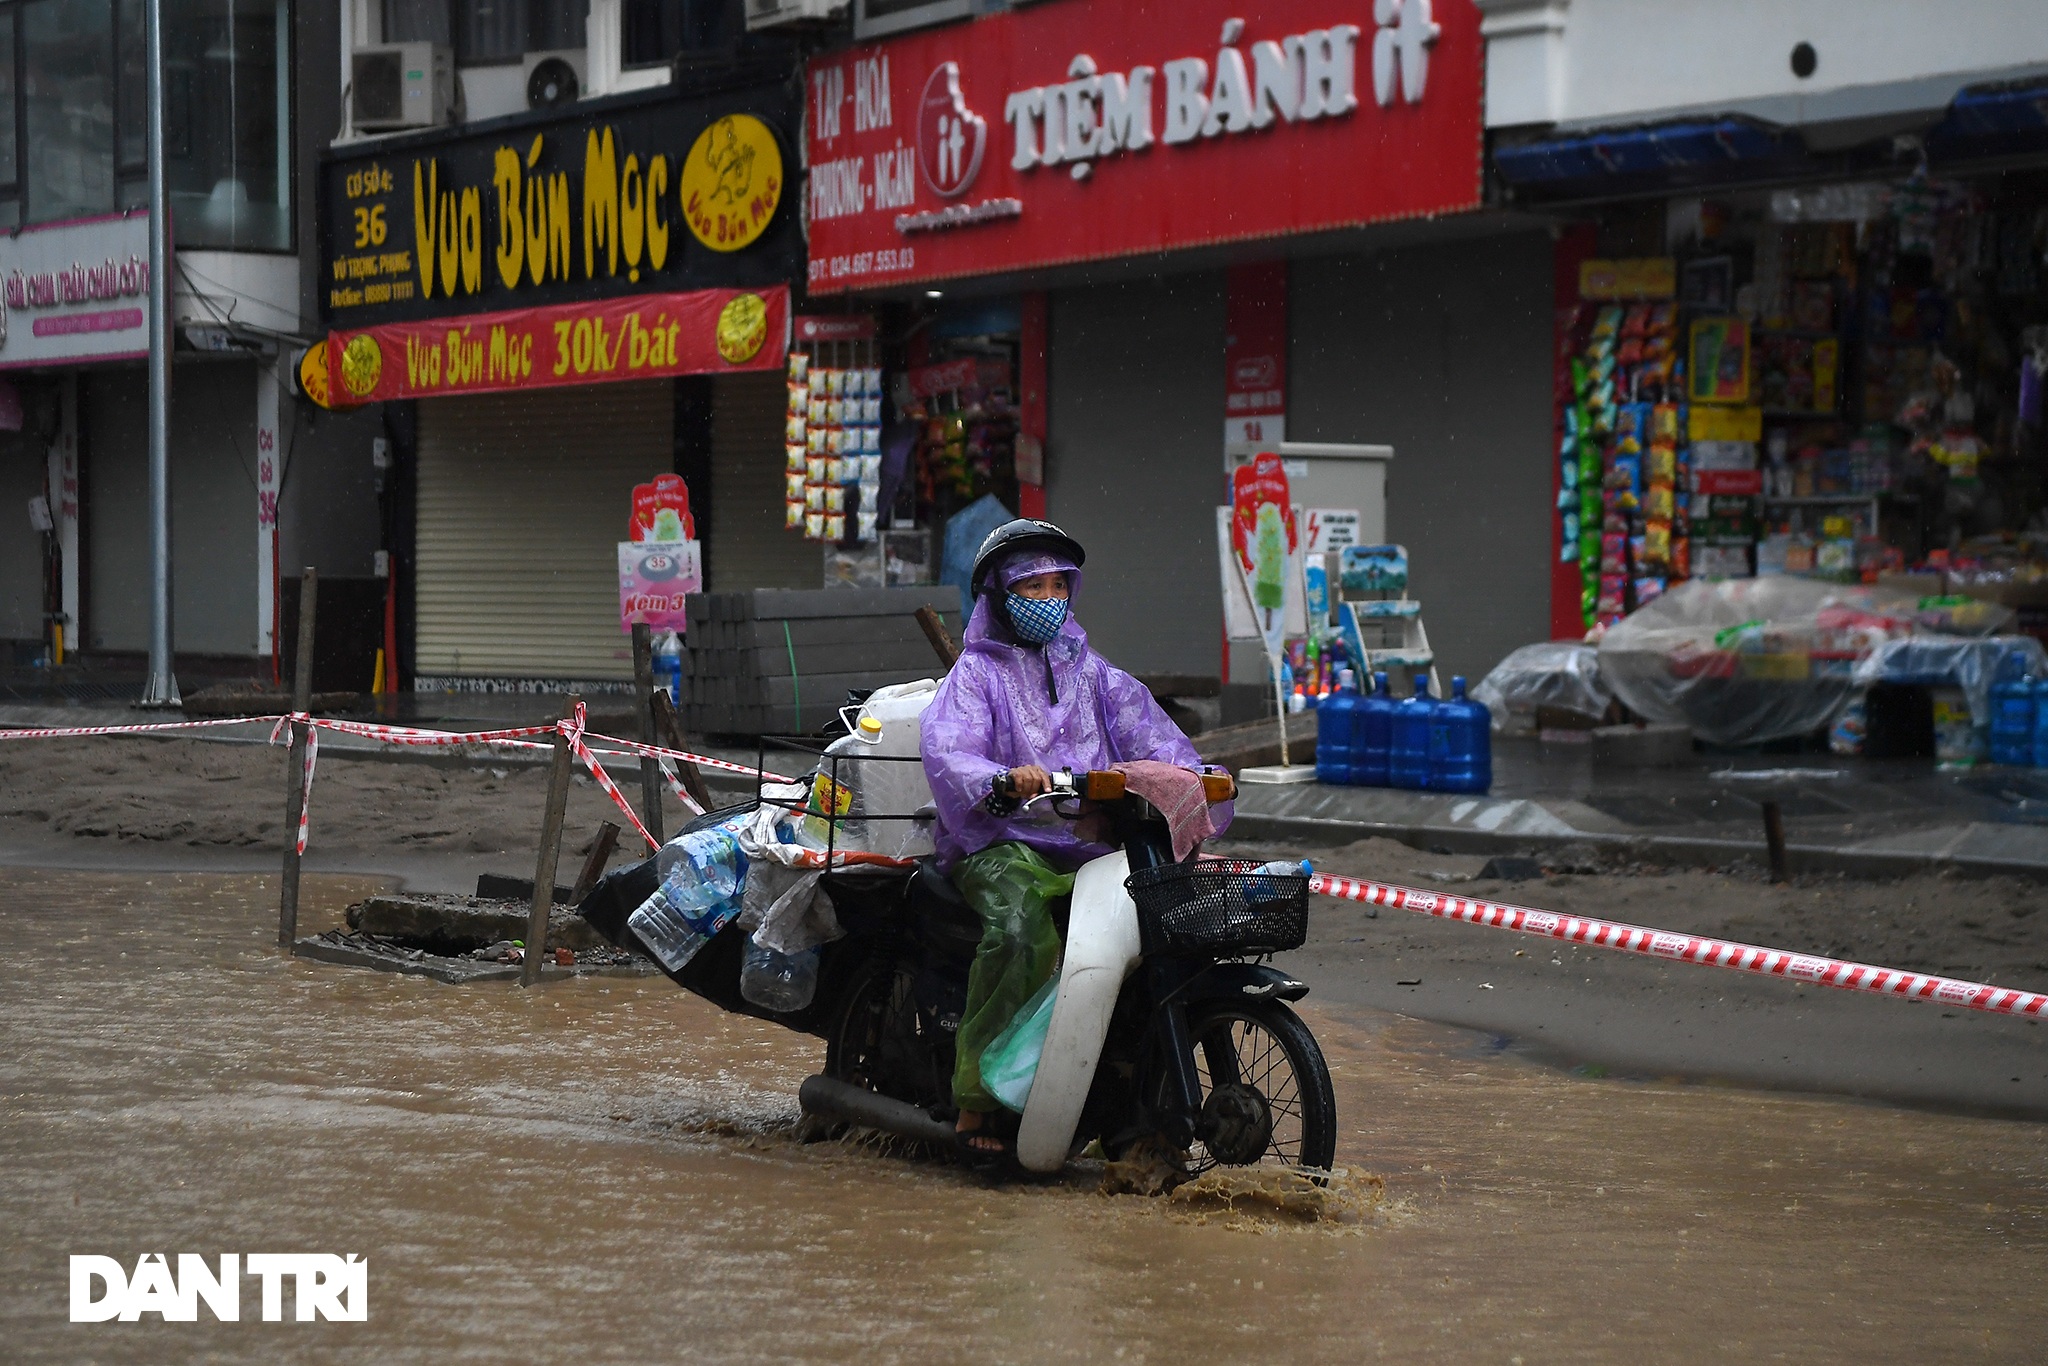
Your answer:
<point x="1271" y="1074"/>
<point x="879" y="1042"/>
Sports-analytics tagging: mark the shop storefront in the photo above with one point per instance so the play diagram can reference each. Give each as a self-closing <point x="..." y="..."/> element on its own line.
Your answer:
<point x="1836" y="376"/>
<point x="1093" y="212"/>
<point x="554" y="311"/>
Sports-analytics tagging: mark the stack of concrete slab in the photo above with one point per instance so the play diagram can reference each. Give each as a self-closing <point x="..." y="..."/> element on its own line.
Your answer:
<point x="780" y="661"/>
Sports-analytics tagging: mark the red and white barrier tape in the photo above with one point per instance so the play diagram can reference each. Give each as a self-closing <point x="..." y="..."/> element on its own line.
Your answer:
<point x="1689" y="948"/>
<point x="306" y="789"/>
<point x="675" y="785"/>
<point x="76" y="732"/>
<point x="517" y="737"/>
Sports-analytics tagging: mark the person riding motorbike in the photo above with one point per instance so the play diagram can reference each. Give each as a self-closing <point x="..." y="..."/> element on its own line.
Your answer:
<point x="1026" y="696"/>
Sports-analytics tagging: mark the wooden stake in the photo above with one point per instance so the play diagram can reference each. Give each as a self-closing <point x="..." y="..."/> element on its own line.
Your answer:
<point x="689" y="774"/>
<point x="295" y="776"/>
<point x="593" y="866"/>
<point x="550" y="854"/>
<point x="1774" y="840"/>
<point x="935" y="632"/>
<point x="643" y="688"/>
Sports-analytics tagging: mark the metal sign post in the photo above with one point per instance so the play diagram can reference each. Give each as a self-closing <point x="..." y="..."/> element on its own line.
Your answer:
<point x="162" y="688"/>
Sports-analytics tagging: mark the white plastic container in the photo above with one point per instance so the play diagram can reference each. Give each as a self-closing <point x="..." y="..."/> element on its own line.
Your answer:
<point x="870" y="762"/>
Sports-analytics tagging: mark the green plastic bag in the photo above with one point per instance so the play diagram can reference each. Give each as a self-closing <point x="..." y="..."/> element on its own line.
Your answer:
<point x="1011" y="1059"/>
<point x="1009" y="886"/>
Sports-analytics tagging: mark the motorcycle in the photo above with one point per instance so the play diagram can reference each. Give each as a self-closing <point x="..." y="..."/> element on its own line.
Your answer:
<point x="1168" y="1026"/>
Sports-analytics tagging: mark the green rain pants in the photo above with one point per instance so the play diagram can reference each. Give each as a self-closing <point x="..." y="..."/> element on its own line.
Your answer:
<point x="1008" y="885"/>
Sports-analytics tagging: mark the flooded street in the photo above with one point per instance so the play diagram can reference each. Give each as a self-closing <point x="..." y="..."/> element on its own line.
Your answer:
<point x="603" y="1170"/>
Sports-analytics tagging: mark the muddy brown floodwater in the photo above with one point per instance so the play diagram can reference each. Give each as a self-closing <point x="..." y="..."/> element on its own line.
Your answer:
<point x="604" y="1170"/>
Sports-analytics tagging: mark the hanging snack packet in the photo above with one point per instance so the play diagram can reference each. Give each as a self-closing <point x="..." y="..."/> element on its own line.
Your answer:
<point x="793" y="514"/>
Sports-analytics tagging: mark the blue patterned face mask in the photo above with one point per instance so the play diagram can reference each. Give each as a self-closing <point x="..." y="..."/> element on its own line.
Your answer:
<point x="1036" y="620"/>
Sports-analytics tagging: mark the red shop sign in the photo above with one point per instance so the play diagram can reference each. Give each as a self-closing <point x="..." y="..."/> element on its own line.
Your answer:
<point x="646" y="336"/>
<point x="1079" y="132"/>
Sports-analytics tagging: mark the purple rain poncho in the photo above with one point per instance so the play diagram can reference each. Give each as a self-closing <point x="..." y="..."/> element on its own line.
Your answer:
<point x="997" y="710"/>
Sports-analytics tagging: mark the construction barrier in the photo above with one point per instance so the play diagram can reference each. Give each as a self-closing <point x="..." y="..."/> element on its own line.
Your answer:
<point x="1688" y="948"/>
<point x="571" y="728"/>
<point x="1571" y="929"/>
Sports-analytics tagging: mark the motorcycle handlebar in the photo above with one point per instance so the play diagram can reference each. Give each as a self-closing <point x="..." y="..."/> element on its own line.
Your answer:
<point x="1107" y="785"/>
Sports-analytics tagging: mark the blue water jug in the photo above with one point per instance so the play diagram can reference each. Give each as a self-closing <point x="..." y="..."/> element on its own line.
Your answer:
<point x="2013" y="711"/>
<point x="1460" y="744"/>
<point x="1408" y="755"/>
<point x="1333" y="734"/>
<point x="2040" y="750"/>
<point x="1372" y="735"/>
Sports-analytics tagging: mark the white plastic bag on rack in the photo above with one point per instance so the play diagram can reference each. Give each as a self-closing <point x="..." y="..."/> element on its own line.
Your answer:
<point x="1742" y="661"/>
<point x="782" y="905"/>
<point x="1550" y="673"/>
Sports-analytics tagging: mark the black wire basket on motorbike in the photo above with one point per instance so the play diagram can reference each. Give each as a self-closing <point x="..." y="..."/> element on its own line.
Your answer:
<point x="1221" y="907"/>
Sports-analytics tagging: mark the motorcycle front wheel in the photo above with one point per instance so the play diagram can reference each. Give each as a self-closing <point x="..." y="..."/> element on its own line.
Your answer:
<point x="1265" y="1089"/>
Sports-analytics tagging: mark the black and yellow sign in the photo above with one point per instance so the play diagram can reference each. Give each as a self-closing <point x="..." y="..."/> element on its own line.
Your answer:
<point x="631" y="195"/>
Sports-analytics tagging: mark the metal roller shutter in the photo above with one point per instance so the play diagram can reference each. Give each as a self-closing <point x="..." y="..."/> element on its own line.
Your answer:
<point x="749" y="547"/>
<point x="523" y="499"/>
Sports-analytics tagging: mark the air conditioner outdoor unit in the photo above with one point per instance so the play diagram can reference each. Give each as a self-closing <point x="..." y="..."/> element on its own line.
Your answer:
<point x="769" y="13"/>
<point x="554" y="77"/>
<point x="401" y="85"/>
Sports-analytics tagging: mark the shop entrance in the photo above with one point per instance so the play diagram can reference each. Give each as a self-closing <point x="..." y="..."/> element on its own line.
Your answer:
<point x="522" y="501"/>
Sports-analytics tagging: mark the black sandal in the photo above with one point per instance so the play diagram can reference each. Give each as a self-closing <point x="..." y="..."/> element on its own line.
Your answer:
<point x="984" y="1158"/>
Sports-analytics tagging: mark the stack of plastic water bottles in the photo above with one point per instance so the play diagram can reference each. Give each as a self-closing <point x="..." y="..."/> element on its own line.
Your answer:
<point x="1419" y="742"/>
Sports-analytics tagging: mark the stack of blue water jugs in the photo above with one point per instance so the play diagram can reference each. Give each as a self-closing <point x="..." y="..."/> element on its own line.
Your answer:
<point x="2019" y="715"/>
<point x="1419" y="742"/>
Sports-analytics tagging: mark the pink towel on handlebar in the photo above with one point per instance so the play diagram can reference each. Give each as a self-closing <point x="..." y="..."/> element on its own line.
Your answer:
<point x="1179" y="796"/>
